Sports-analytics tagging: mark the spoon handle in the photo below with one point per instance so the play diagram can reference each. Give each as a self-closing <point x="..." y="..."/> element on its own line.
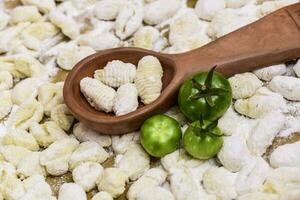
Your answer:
<point x="271" y="40"/>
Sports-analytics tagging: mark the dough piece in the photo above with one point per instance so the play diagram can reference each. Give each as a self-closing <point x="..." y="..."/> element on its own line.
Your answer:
<point x="3" y="21"/>
<point x="259" y="196"/>
<point x="244" y="85"/>
<point x="264" y="132"/>
<point x="25" y="14"/>
<point x="56" y="157"/>
<point x="27" y="113"/>
<point x="270" y="72"/>
<point x="30" y="165"/>
<point x="252" y="176"/>
<point x="47" y="133"/>
<point x="286" y="156"/>
<point x="126" y="100"/>
<point x="102" y="196"/>
<point x="153" y="177"/>
<point x="88" y="151"/>
<point x="231" y="151"/>
<point x="62" y="116"/>
<point x="220" y="182"/>
<point x="148" y="79"/>
<point x="84" y="134"/>
<point x="113" y="181"/>
<point x="87" y="174"/>
<point x="236" y="3"/>
<point x="160" y="10"/>
<point x="121" y="143"/>
<point x="25" y="90"/>
<point x="108" y="9"/>
<point x="6" y="80"/>
<point x="21" y="138"/>
<point x="116" y="73"/>
<point x="71" y="191"/>
<point x="155" y="193"/>
<point x="5" y="104"/>
<point x="36" y="188"/>
<point x="44" y="6"/>
<point x="134" y="162"/>
<point x="13" y="154"/>
<point x="128" y="21"/>
<point x="50" y="95"/>
<point x="263" y="102"/>
<point x="206" y="9"/>
<point x="288" y="87"/>
<point x="100" y="96"/>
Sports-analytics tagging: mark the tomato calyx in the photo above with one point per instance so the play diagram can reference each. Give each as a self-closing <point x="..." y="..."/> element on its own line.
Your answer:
<point x="205" y="90"/>
<point x="205" y="128"/>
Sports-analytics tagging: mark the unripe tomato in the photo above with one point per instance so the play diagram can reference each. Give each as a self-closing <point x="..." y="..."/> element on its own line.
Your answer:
<point x="160" y="135"/>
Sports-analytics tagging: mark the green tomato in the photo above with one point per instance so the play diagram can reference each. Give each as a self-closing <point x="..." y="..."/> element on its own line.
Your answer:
<point x="202" y="141"/>
<point x="160" y="135"/>
<point x="207" y="95"/>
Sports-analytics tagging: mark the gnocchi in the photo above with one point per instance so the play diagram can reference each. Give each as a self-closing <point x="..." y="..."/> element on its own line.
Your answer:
<point x="126" y="100"/>
<point x="44" y="6"/>
<point x="102" y="196"/>
<point x="288" y="87"/>
<point x="62" y="116"/>
<point x="206" y="9"/>
<point x="108" y="9"/>
<point x="6" y="80"/>
<point x="25" y="14"/>
<point x="116" y="73"/>
<point x="270" y="72"/>
<point x="5" y="104"/>
<point x="71" y="191"/>
<point x="13" y="154"/>
<point x="30" y="165"/>
<point x="21" y="138"/>
<point x="100" y="96"/>
<point x="148" y="79"/>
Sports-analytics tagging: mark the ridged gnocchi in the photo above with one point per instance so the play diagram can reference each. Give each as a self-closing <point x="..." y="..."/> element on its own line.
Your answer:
<point x="13" y="154"/>
<point x="108" y="9"/>
<point x="30" y="166"/>
<point x="21" y="138"/>
<point x="206" y="9"/>
<point x="5" y="103"/>
<point x="116" y="73"/>
<point x="288" y="87"/>
<point x="102" y="196"/>
<point x="44" y="6"/>
<point x="126" y="100"/>
<point x="100" y="96"/>
<point x="148" y="79"/>
<point x="71" y="191"/>
<point x="6" y="80"/>
<point x="268" y="73"/>
<point x="62" y="116"/>
<point x="25" y="14"/>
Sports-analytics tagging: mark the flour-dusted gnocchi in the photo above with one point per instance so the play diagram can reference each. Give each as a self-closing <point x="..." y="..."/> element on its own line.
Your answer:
<point x="252" y="176"/>
<point x="87" y="174"/>
<point x="148" y="79"/>
<point x="71" y="54"/>
<point x="134" y="162"/>
<point x="129" y="19"/>
<point x="4" y="19"/>
<point x="206" y="9"/>
<point x="268" y="7"/>
<point x="71" y="191"/>
<point x="244" y="85"/>
<point x="236" y="3"/>
<point x="228" y="127"/>
<point x="84" y="134"/>
<point x="44" y="6"/>
<point x="102" y="196"/>
<point x="27" y="113"/>
<point x="5" y="103"/>
<point x="66" y="23"/>
<point x="148" y="37"/>
<point x="288" y="87"/>
<point x="30" y="165"/>
<point x="108" y="9"/>
<point x="116" y="73"/>
<point x="126" y="100"/>
<point x="268" y="73"/>
<point x="113" y="181"/>
<point x="57" y="156"/>
<point x="155" y="193"/>
<point x="25" y="90"/>
<point x="258" y="196"/>
<point x="219" y="181"/>
<point x="62" y="116"/>
<point x="263" y="102"/>
<point x="50" y="95"/>
<point x="36" y="188"/>
<point x="286" y="156"/>
<point x="153" y="177"/>
<point x="160" y="10"/>
<point x="264" y="132"/>
<point x="88" y="151"/>
<point x="47" y="133"/>
<point x="231" y="151"/>
<point x="121" y="143"/>
<point x="100" y="96"/>
<point x="25" y="14"/>
<point x="13" y="154"/>
<point x="21" y="138"/>
<point x="6" y="80"/>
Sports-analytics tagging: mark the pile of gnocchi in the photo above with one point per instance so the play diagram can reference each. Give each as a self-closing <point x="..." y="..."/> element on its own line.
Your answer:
<point x="100" y="93"/>
<point x="46" y="154"/>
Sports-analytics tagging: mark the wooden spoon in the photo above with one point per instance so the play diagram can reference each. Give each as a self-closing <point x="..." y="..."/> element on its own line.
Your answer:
<point x="271" y="40"/>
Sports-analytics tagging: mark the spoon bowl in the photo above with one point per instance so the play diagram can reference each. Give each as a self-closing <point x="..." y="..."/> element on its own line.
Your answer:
<point x="271" y="40"/>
